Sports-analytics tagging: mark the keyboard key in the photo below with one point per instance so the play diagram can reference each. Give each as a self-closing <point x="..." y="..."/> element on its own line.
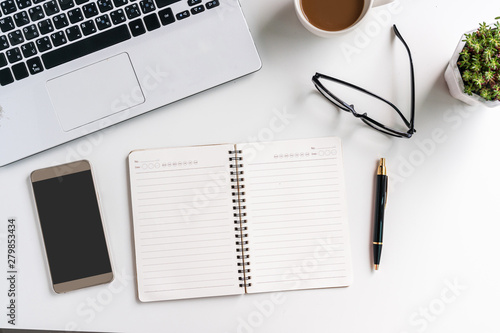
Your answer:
<point x="45" y="27"/>
<point x="20" y="71"/>
<point x="86" y="46"/>
<point x="3" y="60"/>
<point x="118" y="16"/>
<point x="182" y="15"/>
<point x="88" y="27"/>
<point x="103" y="22"/>
<point x="132" y="11"/>
<point x="79" y="2"/>
<point x="66" y="4"/>
<point x="7" y="24"/>
<point x="15" y="37"/>
<point x="197" y="9"/>
<point x="6" y="77"/>
<point x="58" y="38"/>
<point x="37" y="1"/>
<point x="43" y="44"/>
<point x="90" y="10"/>
<point x="75" y="15"/>
<point x="14" y="55"/>
<point x="119" y="3"/>
<point x="21" y="4"/>
<point x="163" y="3"/>
<point x="3" y="43"/>
<point x="30" y="32"/>
<point x="104" y="5"/>
<point x="34" y="65"/>
<point x="60" y="21"/>
<point x="21" y="18"/>
<point x="147" y="6"/>
<point x="51" y="7"/>
<point x="166" y="16"/>
<point x="212" y="4"/>
<point x="193" y="2"/>
<point x="36" y="13"/>
<point x="28" y="50"/>
<point x="137" y="27"/>
<point x="152" y="22"/>
<point x="8" y="7"/>
<point x="73" y="33"/>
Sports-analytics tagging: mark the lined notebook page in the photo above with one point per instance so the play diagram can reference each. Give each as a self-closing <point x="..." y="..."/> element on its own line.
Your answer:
<point x="183" y="223"/>
<point x="296" y="212"/>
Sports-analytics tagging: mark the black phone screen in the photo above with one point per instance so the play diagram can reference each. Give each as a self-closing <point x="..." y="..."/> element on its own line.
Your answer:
<point x="71" y="227"/>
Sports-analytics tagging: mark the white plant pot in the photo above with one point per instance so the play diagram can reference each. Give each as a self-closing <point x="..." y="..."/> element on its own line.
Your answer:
<point x="455" y="83"/>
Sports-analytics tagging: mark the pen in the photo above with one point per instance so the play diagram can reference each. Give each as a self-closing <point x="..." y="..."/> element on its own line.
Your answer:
<point x="380" y="203"/>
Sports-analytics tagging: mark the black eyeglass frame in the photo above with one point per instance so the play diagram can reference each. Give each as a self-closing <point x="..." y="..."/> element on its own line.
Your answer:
<point x="363" y="116"/>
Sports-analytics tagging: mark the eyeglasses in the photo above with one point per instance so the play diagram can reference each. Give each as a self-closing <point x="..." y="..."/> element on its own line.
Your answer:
<point x="363" y="116"/>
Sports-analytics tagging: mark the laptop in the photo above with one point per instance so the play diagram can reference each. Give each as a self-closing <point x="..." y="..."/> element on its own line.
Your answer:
<point x="72" y="67"/>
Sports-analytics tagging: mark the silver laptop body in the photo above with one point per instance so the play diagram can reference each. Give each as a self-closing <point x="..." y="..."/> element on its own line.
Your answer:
<point x="180" y="48"/>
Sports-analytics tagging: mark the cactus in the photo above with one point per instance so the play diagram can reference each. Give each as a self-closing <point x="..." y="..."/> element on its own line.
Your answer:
<point x="479" y="62"/>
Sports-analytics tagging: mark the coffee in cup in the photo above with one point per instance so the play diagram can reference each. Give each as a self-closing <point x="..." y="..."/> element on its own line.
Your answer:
<point x="332" y="15"/>
<point x="328" y="18"/>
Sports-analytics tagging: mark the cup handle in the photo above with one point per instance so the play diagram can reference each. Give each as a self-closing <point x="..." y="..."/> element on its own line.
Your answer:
<point x="377" y="3"/>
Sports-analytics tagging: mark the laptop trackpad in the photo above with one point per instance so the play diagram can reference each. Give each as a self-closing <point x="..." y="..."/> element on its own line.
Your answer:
<point x="95" y="92"/>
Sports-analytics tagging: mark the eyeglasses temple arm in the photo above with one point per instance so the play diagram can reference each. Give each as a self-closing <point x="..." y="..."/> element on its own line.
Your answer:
<point x="412" y="73"/>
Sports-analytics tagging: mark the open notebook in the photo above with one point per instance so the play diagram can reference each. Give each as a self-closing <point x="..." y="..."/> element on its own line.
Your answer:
<point x="239" y="218"/>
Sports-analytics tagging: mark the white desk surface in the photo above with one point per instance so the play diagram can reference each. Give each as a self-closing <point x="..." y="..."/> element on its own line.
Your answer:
<point x="439" y="269"/>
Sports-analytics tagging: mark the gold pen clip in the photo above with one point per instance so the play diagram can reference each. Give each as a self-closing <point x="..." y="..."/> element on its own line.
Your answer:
<point x="382" y="171"/>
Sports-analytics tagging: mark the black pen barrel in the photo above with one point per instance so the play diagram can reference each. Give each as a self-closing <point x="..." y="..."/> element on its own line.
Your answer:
<point x="378" y="228"/>
<point x="380" y="202"/>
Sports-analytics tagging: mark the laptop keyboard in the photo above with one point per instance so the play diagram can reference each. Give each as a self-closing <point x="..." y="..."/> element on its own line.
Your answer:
<point x="37" y="35"/>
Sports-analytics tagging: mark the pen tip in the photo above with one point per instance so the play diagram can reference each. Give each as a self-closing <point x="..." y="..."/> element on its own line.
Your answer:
<point x="376" y="267"/>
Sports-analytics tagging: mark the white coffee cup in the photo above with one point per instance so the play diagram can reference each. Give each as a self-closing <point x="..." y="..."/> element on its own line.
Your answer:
<point x="368" y="4"/>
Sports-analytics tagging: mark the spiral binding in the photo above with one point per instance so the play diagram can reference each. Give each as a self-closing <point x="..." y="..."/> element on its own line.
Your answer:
<point x="239" y="208"/>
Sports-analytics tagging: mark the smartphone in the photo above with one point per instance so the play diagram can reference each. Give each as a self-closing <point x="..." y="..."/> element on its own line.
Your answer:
<point x="72" y="228"/>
